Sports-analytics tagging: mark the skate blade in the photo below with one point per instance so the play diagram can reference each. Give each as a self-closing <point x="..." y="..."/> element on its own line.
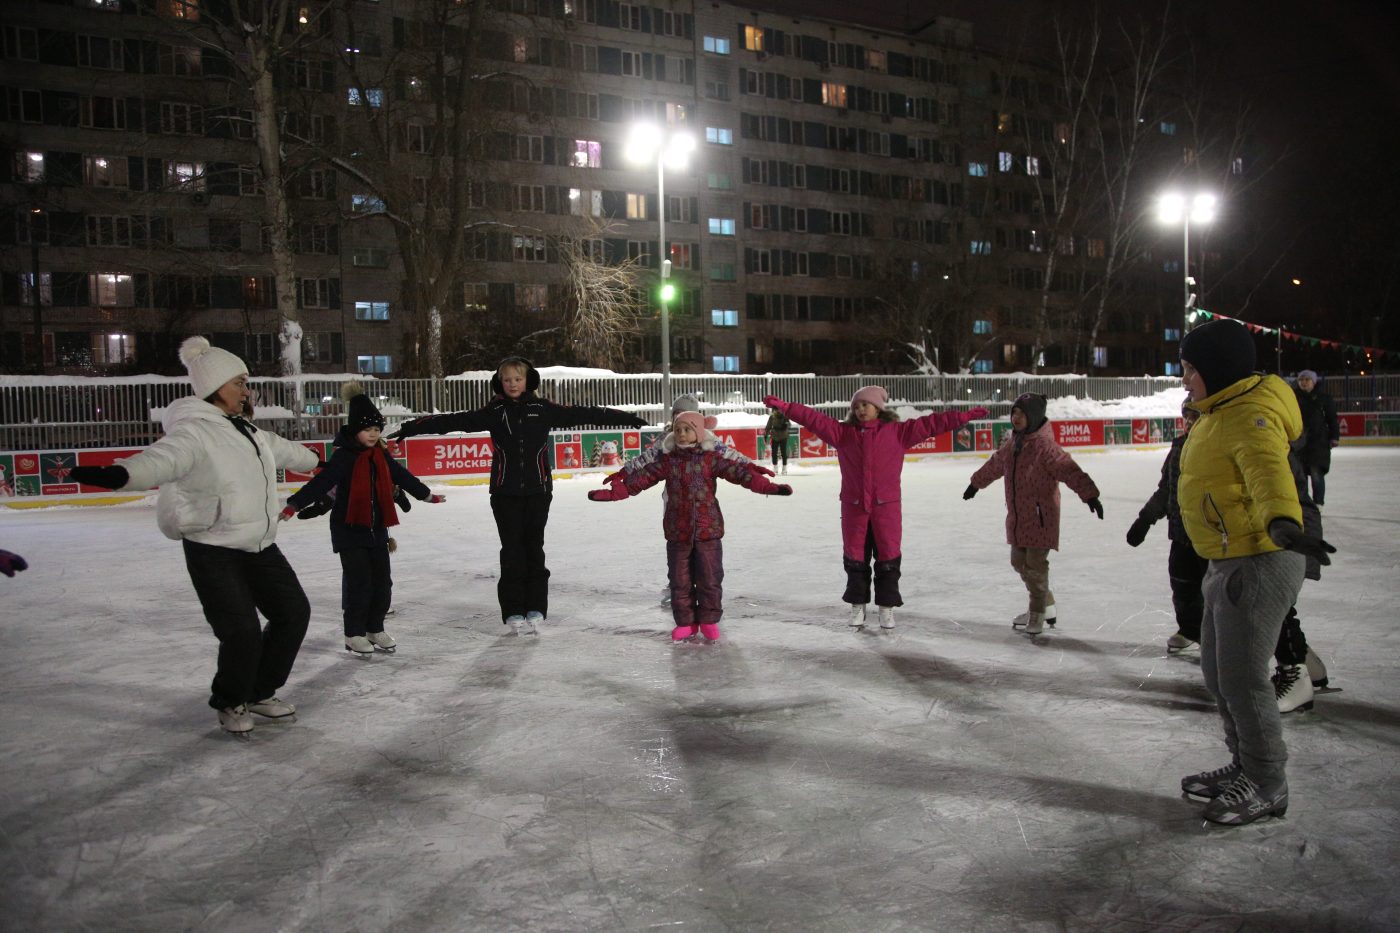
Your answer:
<point x="270" y="720"/>
<point x="387" y="650"/>
<point x="362" y="655"/>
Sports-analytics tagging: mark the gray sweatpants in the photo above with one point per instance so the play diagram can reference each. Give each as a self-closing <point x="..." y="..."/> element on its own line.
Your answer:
<point x="1246" y="601"/>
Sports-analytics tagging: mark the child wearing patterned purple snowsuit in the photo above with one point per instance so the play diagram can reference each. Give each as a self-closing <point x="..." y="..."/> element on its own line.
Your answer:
<point x="689" y="464"/>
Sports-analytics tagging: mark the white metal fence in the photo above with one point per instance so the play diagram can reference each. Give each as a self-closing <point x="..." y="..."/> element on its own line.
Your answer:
<point x="37" y="415"/>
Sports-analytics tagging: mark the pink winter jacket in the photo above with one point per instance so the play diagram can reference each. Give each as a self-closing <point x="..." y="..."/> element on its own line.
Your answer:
<point x="872" y="454"/>
<point x="1033" y="476"/>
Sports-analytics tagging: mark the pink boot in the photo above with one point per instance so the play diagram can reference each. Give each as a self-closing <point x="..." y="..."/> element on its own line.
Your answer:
<point x="710" y="630"/>
<point x="682" y="632"/>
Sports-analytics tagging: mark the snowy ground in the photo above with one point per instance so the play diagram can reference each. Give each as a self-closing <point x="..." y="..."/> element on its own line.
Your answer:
<point x="799" y="776"/>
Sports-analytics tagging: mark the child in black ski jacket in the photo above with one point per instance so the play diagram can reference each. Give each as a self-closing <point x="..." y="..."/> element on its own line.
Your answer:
<point x="364" y="477"/>
<point x="522" y="484"/>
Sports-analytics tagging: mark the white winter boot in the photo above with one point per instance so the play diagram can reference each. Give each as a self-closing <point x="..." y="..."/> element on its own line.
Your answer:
<point x="534" y="621"/>
<point x="235" y="719"/>
<point x="1293" y="688"/>
<point x="886" y="617"/>
<point x="516" y="623"/>
<point x="1033" y="623"/>
<point x="359" y="646"/>
<point x="857" y="615"/>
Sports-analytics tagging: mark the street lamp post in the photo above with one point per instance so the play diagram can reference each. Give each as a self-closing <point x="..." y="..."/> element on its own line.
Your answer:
<point x="1174" y="208"/>
<point x="648" y="143"/>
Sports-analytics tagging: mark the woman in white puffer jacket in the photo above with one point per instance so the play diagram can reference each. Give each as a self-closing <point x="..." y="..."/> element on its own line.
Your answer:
<point x="217" y="475"/>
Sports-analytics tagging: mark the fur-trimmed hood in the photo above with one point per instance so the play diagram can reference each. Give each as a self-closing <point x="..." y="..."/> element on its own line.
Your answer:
<point x="708" y="441"/>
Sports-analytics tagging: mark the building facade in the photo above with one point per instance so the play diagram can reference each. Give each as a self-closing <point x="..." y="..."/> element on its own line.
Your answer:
<point x="852" y="191"/>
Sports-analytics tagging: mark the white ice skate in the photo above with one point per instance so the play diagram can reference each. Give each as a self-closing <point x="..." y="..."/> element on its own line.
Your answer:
<point x="886" y="617"/>
<point x="235" y="720"/>
<point x="383" y="641"/>
<point x="534" y="621"/>
<point x="857" y="615"/>
<point x="1032" y="623"/>
<point x="359" y="646"/>
<point x="274" y="709"/>
<point x="516" y="623"/>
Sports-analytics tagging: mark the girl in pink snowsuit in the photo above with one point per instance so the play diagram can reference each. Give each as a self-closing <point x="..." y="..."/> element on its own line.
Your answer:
<point x="1034" y="466"/>
<point x="870" y="446"/>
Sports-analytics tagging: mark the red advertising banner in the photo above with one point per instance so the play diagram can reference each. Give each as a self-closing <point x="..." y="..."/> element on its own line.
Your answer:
<point x="1351" y="425"/>
<point x="435" y="456"/>
<point x="744" y="440"/>
<point x="1079" y="433"/>
<point x="809" y="445"/>
<point x="938" y="444"/>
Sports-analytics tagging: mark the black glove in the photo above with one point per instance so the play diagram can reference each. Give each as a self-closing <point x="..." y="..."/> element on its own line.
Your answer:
<point x="1137" y="533"/>
<point x="407" y="429"/>
<point x="1096" y="507"/>
<point x="108" y="477"/>
<point x="11" y="563"/>
<point x="970" y="491"/>
<point x="639" y="422"/>
<point x="401" y="499"/>
<point x="1286" y="534"/>
<point x="320" y="507"/>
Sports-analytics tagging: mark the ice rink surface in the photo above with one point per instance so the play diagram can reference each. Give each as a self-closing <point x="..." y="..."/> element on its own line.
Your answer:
<point x="953" y="775"/>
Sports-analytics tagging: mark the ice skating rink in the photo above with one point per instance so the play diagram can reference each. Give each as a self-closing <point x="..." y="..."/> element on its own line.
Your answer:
<point x="951" y="776"/>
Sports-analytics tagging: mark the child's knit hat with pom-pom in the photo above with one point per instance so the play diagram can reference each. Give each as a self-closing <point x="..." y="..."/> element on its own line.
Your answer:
<point x="363" y="414"/>
<point x="699" y="422"/>
<point x="209" y="366"/>
<point x="875" y="395"/>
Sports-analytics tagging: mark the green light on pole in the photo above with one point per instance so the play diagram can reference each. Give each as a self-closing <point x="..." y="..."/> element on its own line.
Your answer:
<point x="668" y="293"/>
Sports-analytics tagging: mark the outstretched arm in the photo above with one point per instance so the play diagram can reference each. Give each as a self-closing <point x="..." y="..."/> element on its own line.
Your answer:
<point x="819" y="423"/>
<point x="745" y="474"/>
<point x="467" y="422"/>
<point x="576" y="416"/>
<point x="940" y="422"/>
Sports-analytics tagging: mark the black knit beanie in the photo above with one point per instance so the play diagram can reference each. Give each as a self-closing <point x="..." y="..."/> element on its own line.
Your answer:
<point x="1222" y="351"/>
<point x="362" y="413"/>
<point x="1033" y="407"/>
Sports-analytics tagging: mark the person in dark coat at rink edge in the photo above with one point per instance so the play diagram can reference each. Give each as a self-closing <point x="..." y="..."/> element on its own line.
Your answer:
<point x="1321" y="432"/>
<point x="522" y="485"/>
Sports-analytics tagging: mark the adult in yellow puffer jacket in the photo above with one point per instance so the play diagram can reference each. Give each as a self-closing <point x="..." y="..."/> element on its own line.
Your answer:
<point x="1240" y="508"/>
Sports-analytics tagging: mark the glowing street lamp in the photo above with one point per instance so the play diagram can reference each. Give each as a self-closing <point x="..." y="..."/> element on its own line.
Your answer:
<point x="1175" y="208"/>
<point x="648" y="143"/>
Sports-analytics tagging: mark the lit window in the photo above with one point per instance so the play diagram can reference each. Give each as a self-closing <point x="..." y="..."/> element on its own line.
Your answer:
<point x="753" y="38"/>
<point x="1094" y="248"/>
<point x="718" y="181"/>
<point x="636" y="206"/>
<point x="1171" y="369"/>
<point x="184" y="176"/>
<point x="529" y="248"/>
<point x="724" y="364"/>
<point x="982" y="327"/>
<point x="1100" y="357"/>
<point x="1171" y="335"/>
<point x="374" y="365"/>
<point x="833" y="94"/>
<point x="722" y="226"/>
<point x="588" y="153"/>
<point x="1005" y="161"/>
<point x="977" y="168"/>
<point x="29" y="167"/>
<point x="981" y="247"/>
<point x="724" y="317"/>
<point x="371" y="310"/>
<point x="1168" y="128"/>
<point x="102" y="172"/>
<point x="366" y="204"/>
<point x="111" y="290"/>
<point x="26" y="288"/>
<point x="716" y="45"/>
<point x="1032" y="166"/>
<point x="719" y="134"/>
<point x="358" y="97"/>
<point x="981" y="366"/>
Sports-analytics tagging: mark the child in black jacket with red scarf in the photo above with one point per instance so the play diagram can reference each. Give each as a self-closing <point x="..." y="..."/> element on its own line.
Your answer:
<point x="364" y="476"/>
<point x="521" y="480"/>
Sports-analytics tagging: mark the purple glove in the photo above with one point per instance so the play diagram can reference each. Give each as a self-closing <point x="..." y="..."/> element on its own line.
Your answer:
<point x="977" y="414"/>
<point x="611" y="494"/>
<point x="11" y="563"/>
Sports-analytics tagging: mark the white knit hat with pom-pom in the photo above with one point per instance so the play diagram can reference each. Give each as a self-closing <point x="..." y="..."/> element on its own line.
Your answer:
<point x="209" y="366"/>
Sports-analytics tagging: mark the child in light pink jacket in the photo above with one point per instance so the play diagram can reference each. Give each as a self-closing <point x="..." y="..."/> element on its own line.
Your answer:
<point x="870" y="446"/>
<point x="1034" y="465"/>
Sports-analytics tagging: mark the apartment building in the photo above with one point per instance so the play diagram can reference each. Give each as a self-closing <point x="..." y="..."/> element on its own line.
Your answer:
<point x="843" y="180"/>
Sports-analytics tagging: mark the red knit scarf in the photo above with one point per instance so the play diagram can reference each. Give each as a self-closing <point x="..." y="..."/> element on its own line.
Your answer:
<point x="360" y="511"/>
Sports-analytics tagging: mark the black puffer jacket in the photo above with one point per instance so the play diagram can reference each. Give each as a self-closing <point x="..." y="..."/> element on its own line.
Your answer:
<point x="1163" y="503"/>
<point x="521" y="460"/>
<point x="337" y="475"/>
